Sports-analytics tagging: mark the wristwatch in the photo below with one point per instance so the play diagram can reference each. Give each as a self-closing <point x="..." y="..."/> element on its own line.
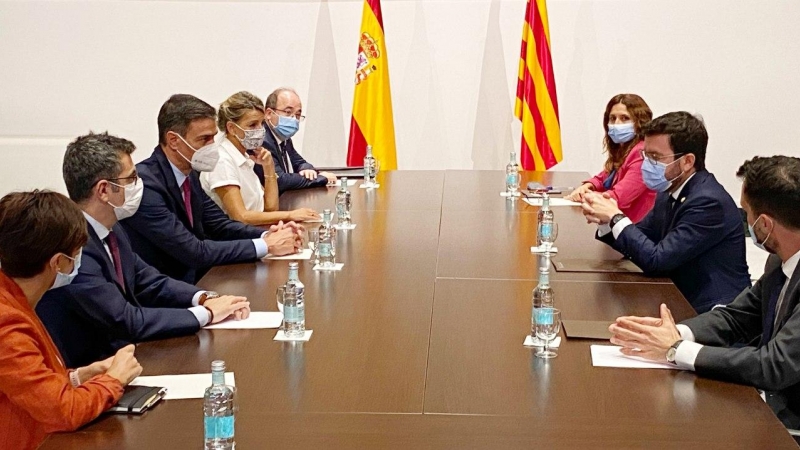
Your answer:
<point x="208" y="295"/>
<point x="672" y="351"/>
<point x="615" y="219"/>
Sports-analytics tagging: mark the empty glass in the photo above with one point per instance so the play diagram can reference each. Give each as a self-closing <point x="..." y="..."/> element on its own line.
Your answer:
<point x="279" y="298"/>
<point x="547" y="325"/>
<point x="312" y="240"/>
<point x="548" y="232"/>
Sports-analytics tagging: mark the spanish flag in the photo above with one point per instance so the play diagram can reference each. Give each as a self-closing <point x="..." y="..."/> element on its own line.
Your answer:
<point x="536" y="104"/>
<point x="372" y="122"/>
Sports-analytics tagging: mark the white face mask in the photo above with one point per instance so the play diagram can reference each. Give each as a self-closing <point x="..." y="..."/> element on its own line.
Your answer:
<point x="253" y="139"/>
<point x="63" y="279"/>
<point x="204" y="159"/>
<point x="133" y="197"/>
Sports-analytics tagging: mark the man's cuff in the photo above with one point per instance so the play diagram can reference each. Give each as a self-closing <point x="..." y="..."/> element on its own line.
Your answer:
<point x="261" y="246"/>
<point x="201" y="314"/>
<point x="196" y="297"/>
<point x="686" y="333"/>
<point x="686" y="354"/>
<point x="603" y="229"/>
<point x="617" y="230"/>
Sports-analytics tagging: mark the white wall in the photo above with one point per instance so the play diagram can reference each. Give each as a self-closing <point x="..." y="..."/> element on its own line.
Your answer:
<point x="67" y="67"/>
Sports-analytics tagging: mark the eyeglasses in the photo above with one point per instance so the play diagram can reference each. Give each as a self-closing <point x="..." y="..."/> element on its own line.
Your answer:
<point x="654" y="158"/>
<point x="289" y="113"/>
<point x="134" y="177"/>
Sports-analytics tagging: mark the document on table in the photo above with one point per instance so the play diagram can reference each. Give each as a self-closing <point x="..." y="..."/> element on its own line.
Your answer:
<point x="257" y="320"/>
<point x="554" y="201"/>
<point x="610" y="356"/>
<point x="339" y="183"/>
<point x="181" y="387"/>
<point x="303" y="254"/>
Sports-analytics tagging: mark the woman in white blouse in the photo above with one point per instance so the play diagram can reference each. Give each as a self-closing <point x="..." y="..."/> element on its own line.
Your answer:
<point x="232" y="184"/>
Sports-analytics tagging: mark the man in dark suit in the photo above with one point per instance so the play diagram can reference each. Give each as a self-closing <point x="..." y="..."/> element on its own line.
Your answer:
<point x="178" y="229"/>
<point x="694" y="233"/>
<point x="117" y="298"/>
<point x="765" y="318"/>
<point x="284" y="112"/>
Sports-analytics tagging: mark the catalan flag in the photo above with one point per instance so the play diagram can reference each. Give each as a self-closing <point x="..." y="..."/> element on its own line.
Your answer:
<point x="372" y="122"/>
<point x="536" y="104"/>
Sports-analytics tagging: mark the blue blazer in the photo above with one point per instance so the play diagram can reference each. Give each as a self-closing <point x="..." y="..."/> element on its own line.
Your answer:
<point x="161" y="234"/>
<point x="93" y="317"/>
<point x="288" y="181"/>
<point x="698" y="243"/>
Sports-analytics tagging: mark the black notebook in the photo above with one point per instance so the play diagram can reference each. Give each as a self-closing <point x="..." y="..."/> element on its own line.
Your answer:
<point x="138" y="399"/>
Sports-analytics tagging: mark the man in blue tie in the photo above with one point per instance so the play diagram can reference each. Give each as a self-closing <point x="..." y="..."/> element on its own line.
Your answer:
<point x="694" y="233"/>
<point x="179" y="229"/>
<point x="117" y="298"/>
<point x="755" y="340"/>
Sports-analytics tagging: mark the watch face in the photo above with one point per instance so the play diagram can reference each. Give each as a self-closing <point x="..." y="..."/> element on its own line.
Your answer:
<point x="671" y="354"/>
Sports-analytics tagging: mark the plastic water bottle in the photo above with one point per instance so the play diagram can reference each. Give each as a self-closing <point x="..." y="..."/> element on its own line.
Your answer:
<point x="219" y="410"/>
<point x="512" y="176"/>
<point x="543" y="295"/>
<point x="294" y="310"/>
<point x="326" y="248"/>
<point x="343" y="203"/>
<point x="370" y="167"/>
<point x="546" y="219"/>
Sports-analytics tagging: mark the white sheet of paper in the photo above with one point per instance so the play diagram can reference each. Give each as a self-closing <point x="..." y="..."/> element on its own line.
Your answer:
<point x="339" y="183"/>
<point x="336" y="267"/>
<point x="182" y="386"/>
<point x="257" y="320"/>
<point x="554" y="201"/>
<point x="281" y="336"/>
<point x="529" y="342"/>
<point x="303" y="254"/>
<point x="313" y="221"/>
<point x="506" y="194"/>
<point x="352" y="226"/>
<point x="610" y="356"/>
<point x="374" y="186"/>
<point x="535" y="249"/>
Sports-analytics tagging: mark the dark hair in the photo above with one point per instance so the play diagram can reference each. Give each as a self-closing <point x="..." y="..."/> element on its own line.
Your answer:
<point x="179" y="111"/>
<point x="772" y="186"/>
<point x="91" y="158"/>
<point x="640" y="114"/>
<point x="34" y="226"/>
<point x="687" y="134"/>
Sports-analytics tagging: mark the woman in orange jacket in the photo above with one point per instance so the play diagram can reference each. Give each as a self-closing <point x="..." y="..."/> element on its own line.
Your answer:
<point x="41" y="235"/>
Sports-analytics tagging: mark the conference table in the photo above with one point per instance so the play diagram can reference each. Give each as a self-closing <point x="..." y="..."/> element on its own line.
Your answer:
<point x="417" y="341"/>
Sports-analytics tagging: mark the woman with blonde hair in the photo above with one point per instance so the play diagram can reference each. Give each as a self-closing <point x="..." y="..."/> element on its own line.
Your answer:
<point x="621" y="177"/>
<point x="233" y="185"/>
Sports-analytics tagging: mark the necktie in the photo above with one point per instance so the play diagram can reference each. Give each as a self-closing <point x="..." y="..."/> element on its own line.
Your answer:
<point x="772" y="308"/>
<point x="113" y="247"/>
<point x="287" y="163"/>
<point x="187" y="200"/>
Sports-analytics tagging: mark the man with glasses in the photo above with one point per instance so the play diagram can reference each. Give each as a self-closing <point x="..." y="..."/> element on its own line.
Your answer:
<point x="694" y="233"/>
<point x="116" y="298"/>
<point x="284" y="112"/>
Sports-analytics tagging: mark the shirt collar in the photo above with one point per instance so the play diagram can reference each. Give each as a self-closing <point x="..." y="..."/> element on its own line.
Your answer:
<point x="179" y="176"/>
<point x="99" y="228"/>
<point x="238" y="158"/>
<point x="790" y="264"/>
<point x="678" y="191"/>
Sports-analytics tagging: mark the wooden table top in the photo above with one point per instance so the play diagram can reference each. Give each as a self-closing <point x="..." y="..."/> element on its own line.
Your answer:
<point x="418" y="342"/>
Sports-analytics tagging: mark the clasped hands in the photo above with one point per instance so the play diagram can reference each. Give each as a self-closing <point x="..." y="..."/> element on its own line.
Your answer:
<point x="646" y="337"/>
<point x="285" y="238"/>
<point x="599" y="208"/>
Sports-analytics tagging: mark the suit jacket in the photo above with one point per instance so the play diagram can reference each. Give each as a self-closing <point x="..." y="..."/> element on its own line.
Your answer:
<point x="774" y="365"/>
<point x="94" y="316"/>
<point x="162" y="235"/>
<point x="288" y="181"/>
<point x="36" y="396"/>
<point x="698" y="243"/>
<point x="633" y="197"/>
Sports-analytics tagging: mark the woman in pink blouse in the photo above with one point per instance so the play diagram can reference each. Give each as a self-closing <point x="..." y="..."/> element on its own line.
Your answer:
<point x="622" y="176"/>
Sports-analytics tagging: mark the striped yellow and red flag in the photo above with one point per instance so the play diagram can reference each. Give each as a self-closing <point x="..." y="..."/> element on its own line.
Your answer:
<point x="372" y="122"/>
<point x="536" y="105"/>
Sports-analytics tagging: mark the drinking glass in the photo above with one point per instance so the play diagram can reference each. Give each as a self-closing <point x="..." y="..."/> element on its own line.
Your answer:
<point x="312" y="240"/>
<point x="547" y="326"/>
<point x="548" y="232"/>
<point x="279" y="297"/>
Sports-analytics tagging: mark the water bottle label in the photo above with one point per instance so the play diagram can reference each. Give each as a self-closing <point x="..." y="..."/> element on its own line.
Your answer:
<point x="291" y="313"/>
<point x="547" y="229"/>
<point x="219" y="427"/>
<point x="340" y="210"/>
<point x="325" y="250"/>
<point x="511" y="179"/>
<point x="543" y="316"/>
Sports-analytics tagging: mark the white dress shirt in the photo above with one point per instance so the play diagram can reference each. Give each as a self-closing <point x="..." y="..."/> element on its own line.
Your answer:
<point x="283" y="154"/>
<point x="234" y="169"/>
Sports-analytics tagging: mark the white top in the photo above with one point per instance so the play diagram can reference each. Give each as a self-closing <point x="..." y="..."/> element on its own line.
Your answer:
<point x="234" y="169"/>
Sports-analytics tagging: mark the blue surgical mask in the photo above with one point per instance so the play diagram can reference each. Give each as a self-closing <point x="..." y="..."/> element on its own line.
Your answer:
<point x="287" y="127"/>
<point x="63" y="279"/>
<point x="755" y="238"/>
<point x="654" y="175"/>
<point x="621" y="133"/>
